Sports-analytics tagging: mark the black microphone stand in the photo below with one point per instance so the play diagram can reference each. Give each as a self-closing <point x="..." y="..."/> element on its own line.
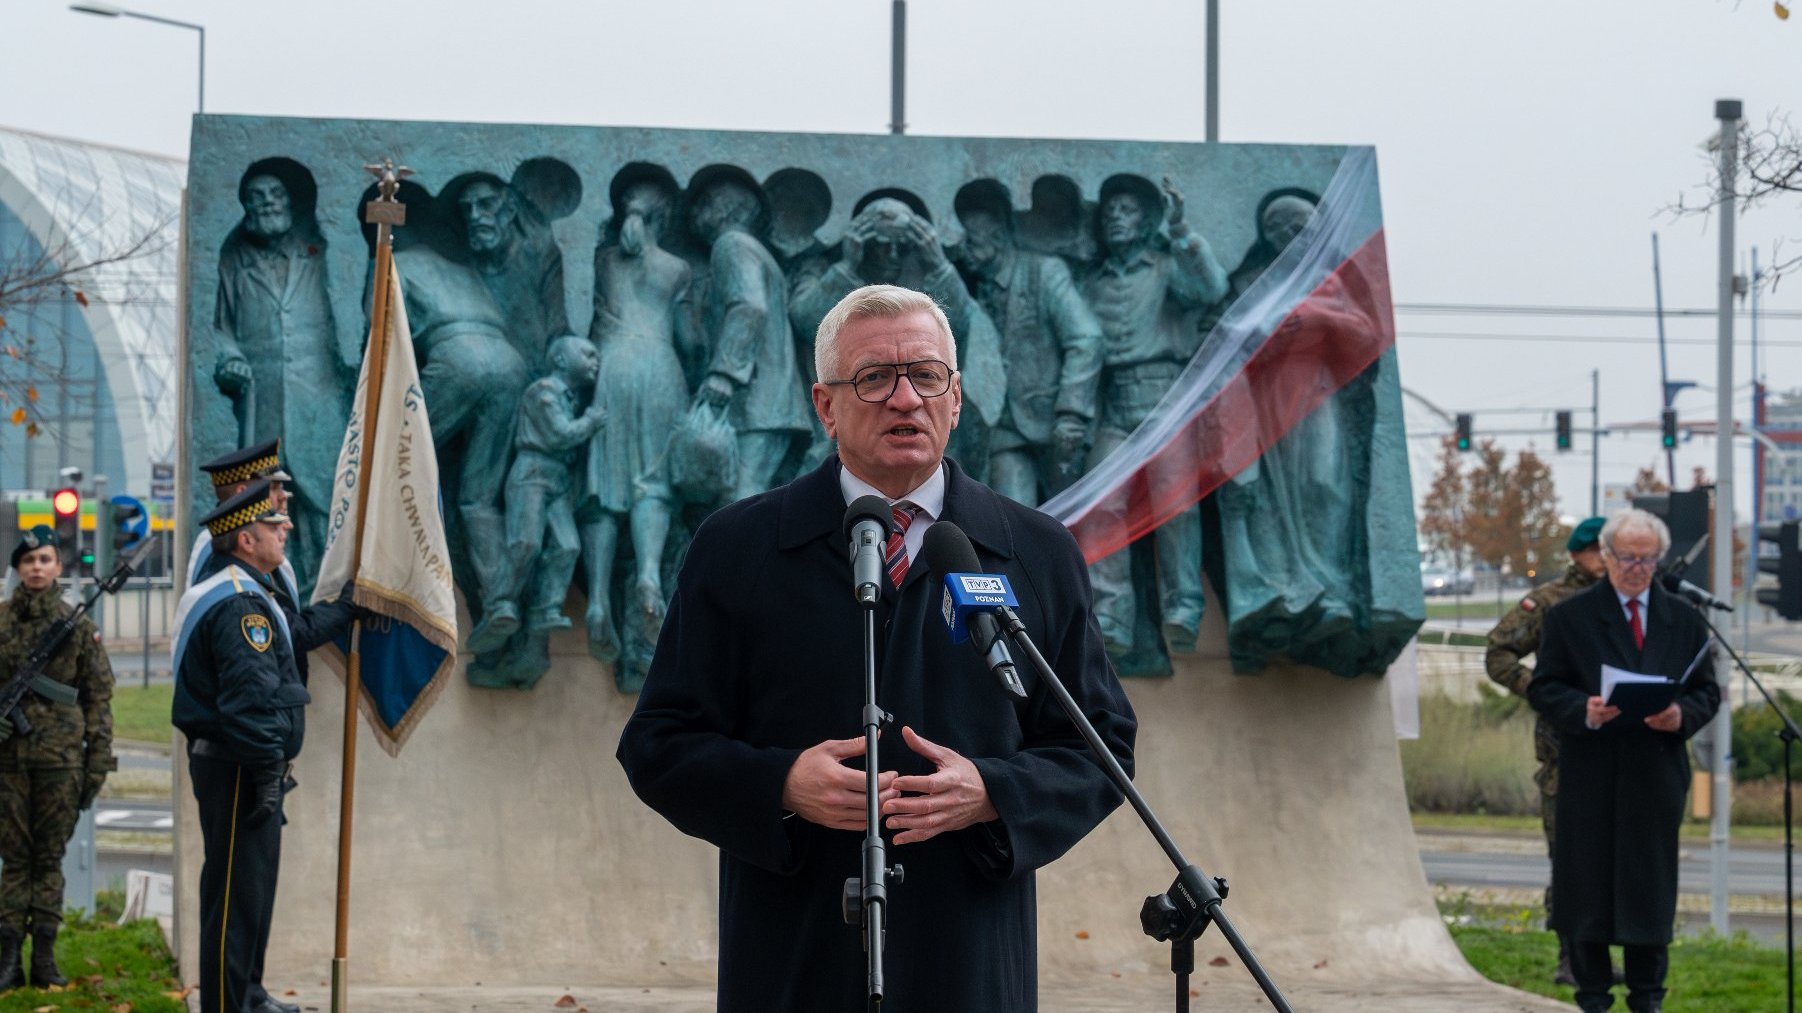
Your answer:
<point x="1183" y="912"/>
<point x="865" y="899"/>
<point x="1789" y="733"/>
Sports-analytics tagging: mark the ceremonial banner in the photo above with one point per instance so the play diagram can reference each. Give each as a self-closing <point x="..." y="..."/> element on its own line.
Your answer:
<point x="404" y="575"/>
<point x="1317" y="317"/>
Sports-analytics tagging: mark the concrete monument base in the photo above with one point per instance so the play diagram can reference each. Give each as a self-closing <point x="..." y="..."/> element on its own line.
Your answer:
<point x="503" y="851"/>
<point x="1128" y="994"/>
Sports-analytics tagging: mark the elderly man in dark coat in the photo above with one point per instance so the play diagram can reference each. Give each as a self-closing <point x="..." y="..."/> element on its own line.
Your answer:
<point x="1621" y="779"/>
<point x="746" y="734"/>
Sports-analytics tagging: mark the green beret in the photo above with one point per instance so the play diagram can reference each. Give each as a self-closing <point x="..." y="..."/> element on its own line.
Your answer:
<point x="36" y="538"/>
<point x="1585" y="535"/>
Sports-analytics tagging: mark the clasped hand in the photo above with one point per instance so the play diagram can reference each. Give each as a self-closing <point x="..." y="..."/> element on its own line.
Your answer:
<point x="821" y="789"/>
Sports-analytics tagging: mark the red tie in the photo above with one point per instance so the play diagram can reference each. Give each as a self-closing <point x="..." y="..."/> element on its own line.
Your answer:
<point x="896" y="556"/>
<point x="1639" y="629"/>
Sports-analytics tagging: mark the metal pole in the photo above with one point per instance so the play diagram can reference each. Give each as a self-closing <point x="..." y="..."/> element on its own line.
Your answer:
<point x="1728" y="112"/>
<point x="1213" y="71"/>
<point x="898" y="69"/>
<point x="1664" y="370"/>
<point x="173" y="23"/>
<point x="144" y="622"/>
<point x="1595" y="442"/>
<point x="1757" y="491"/>
<point x="97" y="572"/>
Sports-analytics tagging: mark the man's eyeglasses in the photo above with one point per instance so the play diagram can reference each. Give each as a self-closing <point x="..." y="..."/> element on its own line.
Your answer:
<point x="1636" y="562"/>
<point x="876" y="384"/>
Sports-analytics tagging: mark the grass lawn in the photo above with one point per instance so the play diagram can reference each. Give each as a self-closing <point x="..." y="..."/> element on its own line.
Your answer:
<point x="1693" y="830"/>
<point x="110" y="967"/>
<point x="1485" y="608"/>
<point x="1708" y="973"/>
<point x="141" y="714"/>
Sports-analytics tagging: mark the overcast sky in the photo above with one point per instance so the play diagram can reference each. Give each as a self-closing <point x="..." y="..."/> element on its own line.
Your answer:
<point x="1526" y="149"/>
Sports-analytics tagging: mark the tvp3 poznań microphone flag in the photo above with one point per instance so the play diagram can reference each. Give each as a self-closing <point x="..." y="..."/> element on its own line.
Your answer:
<point x="1318" y="316"/>
<point x="403" y="576"/>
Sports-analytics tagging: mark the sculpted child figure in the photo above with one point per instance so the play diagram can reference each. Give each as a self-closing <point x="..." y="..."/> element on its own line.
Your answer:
<point x="542" y="544"/>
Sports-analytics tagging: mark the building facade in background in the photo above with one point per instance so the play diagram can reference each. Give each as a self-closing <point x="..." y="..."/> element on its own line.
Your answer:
<point x="99" y="347"/>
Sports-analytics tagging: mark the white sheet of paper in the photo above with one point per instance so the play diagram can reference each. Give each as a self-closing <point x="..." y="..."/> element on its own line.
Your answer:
<point x="1612" y="677"/>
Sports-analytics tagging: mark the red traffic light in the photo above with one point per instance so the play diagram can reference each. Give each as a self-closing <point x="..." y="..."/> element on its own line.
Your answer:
<point x="66" y="502"/>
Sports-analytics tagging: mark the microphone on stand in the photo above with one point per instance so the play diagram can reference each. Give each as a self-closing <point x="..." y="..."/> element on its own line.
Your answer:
<point x="1697" y="596"/>
<point x="867" y="523"/>
<point x="971" y="598"/>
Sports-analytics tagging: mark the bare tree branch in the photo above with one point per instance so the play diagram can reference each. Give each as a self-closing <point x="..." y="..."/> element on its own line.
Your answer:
<point x="81" y="266"/>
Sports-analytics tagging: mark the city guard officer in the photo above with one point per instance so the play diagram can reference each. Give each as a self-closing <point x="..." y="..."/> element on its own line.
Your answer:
<point x="240" y="702"/>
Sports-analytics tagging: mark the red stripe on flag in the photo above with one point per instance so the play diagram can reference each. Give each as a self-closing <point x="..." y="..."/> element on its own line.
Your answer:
<point x="1335" y="333"/>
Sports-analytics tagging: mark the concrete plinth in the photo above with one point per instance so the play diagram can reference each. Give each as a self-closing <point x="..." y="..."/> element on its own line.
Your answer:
<point x="1135" y="994"/>
<point x="504" y="848"/>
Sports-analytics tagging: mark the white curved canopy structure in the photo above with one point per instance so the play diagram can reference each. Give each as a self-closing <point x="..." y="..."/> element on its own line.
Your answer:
<point x="89" y="203"/>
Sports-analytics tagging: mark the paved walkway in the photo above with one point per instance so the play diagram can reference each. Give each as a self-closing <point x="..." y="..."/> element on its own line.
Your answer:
<point x="1213" y="992"/>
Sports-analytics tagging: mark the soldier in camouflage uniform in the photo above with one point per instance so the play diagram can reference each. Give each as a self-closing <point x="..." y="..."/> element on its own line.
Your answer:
<point x="1517" y="636"/>
<point x="49" y="776"/>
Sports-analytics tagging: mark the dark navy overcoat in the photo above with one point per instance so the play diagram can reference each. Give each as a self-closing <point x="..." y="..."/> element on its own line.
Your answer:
<point x="760" y="659"/>
<point x="1621" y="786"/>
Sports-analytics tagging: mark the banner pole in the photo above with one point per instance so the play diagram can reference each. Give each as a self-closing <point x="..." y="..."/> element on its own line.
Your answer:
<point x="384" y="212"/>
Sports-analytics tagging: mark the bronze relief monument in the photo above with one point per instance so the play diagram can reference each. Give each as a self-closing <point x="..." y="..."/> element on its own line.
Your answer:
<point x="1083" y="280"/>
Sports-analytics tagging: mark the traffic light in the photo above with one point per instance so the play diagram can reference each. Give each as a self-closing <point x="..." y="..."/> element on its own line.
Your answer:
<point x="129" y="523"/>
<point x="1563" y="424"/>
<point x="65" y="509"/>
<point x="1463" y="430"/>
<point x="125" y="525"/>
<point x="1786" y="597"/>
<point x="1667" y="424"/>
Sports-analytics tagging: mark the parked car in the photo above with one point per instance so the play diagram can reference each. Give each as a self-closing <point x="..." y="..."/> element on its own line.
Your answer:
<point x="1438" y="580"/>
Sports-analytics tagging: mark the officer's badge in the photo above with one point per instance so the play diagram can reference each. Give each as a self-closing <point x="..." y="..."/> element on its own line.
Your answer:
<point x="256" y="632"/>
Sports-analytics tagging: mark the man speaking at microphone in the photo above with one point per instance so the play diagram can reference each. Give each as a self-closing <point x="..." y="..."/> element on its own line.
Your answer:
<point x="747" y="732"/>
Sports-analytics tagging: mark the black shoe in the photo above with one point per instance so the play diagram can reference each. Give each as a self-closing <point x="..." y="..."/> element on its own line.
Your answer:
<point x="269" y="1005"/>
<point x="12" y="974"/>
<point x="43" y="959"/>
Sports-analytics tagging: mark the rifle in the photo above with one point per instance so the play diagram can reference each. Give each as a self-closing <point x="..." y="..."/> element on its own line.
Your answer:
<point x="30" y="676"/>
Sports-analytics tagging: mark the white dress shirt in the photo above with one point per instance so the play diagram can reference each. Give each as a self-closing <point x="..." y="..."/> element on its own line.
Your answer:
<point x="928" y="499"/>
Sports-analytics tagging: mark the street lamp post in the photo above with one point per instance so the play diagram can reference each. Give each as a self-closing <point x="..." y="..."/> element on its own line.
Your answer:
<point x="110" y="11"/>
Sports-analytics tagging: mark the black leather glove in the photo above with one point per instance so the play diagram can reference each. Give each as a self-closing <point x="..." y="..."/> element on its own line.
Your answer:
<point x="265" y="792"/>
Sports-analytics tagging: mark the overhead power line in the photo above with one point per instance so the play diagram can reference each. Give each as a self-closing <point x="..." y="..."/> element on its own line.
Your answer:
<point x="1593" y="339"/>
<point x="1491" y="309"/>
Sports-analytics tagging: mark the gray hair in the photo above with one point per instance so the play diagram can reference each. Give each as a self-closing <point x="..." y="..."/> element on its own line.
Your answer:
<point x="881" y="301"/>
<point x="1634" y="519"/>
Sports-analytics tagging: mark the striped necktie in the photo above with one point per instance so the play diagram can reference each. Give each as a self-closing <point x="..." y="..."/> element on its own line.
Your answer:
<point x="896" y="557"/>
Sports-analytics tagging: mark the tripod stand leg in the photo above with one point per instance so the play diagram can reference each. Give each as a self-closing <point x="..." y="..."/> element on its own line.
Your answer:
<point x="1182" y="962"/>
